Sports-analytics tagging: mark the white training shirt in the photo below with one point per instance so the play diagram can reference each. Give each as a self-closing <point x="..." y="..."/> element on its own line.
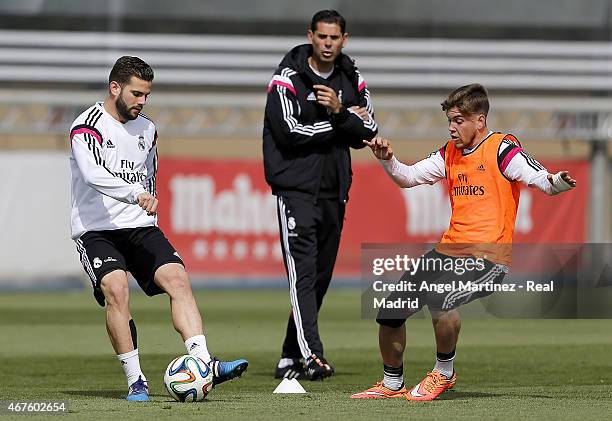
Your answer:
<point x="522" y="167"/>
<point x="111" y="164"/>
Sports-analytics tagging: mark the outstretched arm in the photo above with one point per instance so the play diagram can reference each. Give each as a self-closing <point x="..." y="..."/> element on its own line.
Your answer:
<point x="426" y="171"/>
<point x="517" y="165"/>
<point x="561" y="181"/>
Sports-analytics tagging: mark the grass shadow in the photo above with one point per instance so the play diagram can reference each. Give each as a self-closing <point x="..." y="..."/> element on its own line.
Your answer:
<point x="106" y="393"/>
<point x="114" y="394"/>
<point x="456" y="395"/>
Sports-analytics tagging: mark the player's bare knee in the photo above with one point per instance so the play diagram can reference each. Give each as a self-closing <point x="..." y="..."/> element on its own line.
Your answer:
<point x="115" y="290"/>
<point x="445" y="317"/>
<point x="178" y="286"/>
<point x="116" y="295"/>
<point x="172" y="278"/>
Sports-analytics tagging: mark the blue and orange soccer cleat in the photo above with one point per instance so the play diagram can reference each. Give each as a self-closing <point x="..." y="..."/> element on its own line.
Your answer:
<point x="431" y="386"/>
<point x="139" y="391"/>
<point x="379" y="391"/>
<point x="227" y="370"/>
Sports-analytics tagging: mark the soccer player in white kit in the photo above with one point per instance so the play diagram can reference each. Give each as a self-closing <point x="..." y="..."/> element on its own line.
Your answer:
<point x="113" y="162"/>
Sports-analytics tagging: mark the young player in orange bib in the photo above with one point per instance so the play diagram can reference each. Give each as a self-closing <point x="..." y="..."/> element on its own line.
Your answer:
<point x="482" y="169"/>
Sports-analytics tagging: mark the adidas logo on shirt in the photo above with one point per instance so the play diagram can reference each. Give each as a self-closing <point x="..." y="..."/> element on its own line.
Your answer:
<point x="311" y="97"/>
<point x="480" y="167"/>
<point x="109" y="144"/>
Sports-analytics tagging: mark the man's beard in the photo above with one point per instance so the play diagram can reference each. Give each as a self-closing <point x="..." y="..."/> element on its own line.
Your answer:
<point x="123" y="110"/>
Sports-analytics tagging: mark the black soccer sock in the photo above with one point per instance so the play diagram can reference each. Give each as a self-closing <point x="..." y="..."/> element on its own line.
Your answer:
<point x="443" y="357"/>
<point x="134" y="333"/>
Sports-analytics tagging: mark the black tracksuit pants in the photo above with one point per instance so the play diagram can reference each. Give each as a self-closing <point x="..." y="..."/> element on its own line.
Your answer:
<point x="310" y="236"/>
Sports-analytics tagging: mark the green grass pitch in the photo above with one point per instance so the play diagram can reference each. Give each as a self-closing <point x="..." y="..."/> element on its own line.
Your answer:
<point x="53" y="346"/>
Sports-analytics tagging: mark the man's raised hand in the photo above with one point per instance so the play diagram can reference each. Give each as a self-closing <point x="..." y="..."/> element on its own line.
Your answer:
<point x="327" y="97"/>
<point x="381" y="147"/>
<point x="561" y="181"/>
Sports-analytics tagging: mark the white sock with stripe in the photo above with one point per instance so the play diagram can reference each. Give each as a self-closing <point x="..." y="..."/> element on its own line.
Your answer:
<point x="196" y="346"/>
<point x="131" y="366"/>
<point x="394" y="377"/>
<point x="445" y="363"/>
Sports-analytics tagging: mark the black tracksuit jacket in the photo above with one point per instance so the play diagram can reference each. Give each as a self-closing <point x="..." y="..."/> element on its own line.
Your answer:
<point x="299" y="133"/>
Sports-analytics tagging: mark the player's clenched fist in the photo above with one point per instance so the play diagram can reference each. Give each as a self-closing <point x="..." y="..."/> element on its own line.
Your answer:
<point x="148" y="202"/>
<point x="381" y="147"/>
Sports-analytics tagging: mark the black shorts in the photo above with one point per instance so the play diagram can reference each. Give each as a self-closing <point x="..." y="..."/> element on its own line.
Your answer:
<point x="450" y="294"/>
<point x="140" y="251"/>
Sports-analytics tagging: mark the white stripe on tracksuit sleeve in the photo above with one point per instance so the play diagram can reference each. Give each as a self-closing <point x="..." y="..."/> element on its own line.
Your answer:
<point x="530" y="172"/>
<point x="86" y="155"/>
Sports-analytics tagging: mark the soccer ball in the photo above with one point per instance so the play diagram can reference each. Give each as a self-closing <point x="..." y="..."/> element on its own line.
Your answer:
<point x="188" y="378"/>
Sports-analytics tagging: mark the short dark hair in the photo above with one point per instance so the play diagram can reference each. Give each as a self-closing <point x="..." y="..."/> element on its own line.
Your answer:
<point x="469" y="99"/>
<point x="126" y="67"/>
<point x="328" y="16"/>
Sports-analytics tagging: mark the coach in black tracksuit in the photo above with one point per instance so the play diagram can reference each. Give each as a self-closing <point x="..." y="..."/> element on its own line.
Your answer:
<point x="318" y="106"/>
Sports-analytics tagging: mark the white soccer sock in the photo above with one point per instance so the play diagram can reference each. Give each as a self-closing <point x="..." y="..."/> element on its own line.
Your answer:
<point x="394" y="377"/>
<point x="131" y="366"/>
<point x="196" y="346"/>
<point x="446" y="366"/>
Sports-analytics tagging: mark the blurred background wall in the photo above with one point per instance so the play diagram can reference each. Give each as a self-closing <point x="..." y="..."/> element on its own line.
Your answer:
<point x="520" y="19"/>
<point x="547" y="66"/>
